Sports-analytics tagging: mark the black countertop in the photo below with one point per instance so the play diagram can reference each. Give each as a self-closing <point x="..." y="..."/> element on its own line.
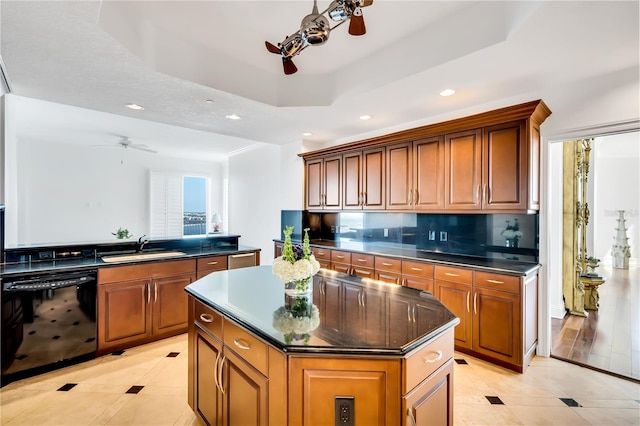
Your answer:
<point x="251" y="297"/>
<point x="504" y="266"/>
<point x="82" y="263"/>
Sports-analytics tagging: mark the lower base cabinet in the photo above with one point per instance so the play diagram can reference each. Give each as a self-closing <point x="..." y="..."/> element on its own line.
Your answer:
<point x="237" y="379"/>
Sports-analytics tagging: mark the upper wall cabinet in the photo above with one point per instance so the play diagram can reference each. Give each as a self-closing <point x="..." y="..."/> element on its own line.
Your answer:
<point x="323" y="183"/>
<point x="364" y="180"/>
<point x="415" y="175"/>
<point x="488" y="162"/>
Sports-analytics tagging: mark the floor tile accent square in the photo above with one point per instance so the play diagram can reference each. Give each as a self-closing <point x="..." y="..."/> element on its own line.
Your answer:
<point x="117" y="352"/>
<point x="67" y="387"/>
<point x="461" y="361"/>
<point x="570" y="402"/>
<point x="134" y="389"/>
<point x="494" y="400"/>
<point x="173" y="354"/>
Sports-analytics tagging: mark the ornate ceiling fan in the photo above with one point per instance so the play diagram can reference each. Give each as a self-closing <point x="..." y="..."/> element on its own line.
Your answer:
<point x="315" y="29"/>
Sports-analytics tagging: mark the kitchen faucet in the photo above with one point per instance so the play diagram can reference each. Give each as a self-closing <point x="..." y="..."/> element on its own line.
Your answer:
<point x="142" y="242"/>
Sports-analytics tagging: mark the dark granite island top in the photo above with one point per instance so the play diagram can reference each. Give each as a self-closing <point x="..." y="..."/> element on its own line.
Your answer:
<point x="381" y="353"/>
<point x="251" y="296"/>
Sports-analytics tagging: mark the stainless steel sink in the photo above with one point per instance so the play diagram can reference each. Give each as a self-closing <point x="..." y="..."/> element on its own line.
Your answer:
<point x="141" y="256"/>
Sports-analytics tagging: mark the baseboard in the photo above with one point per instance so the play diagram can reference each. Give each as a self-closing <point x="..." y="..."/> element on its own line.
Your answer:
<point x="557" y="311"/>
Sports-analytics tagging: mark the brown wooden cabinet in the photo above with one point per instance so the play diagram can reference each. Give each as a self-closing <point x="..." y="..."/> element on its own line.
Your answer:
<point x="363" y="309"/>
<point x="415" y="175"/>
<point x="209" y="264"/>
<point x="364" y="180"/>
<point x="141" y="303"/>
<point x="485" y="162"/>
<point x="323" y="256"/>
<point x="324" y="183"/>
<point x="431" y="401"/>
<point x="453" y="287"/>
<point x="327" y="294"/>
<point x="417" y="275"/>
<point x="341" y="261"/>
<point x="388" y="269"/>
<point x="362" y="265"/>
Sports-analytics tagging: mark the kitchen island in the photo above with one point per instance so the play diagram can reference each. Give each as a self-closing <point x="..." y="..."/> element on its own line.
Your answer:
<point x="354" y="351"/>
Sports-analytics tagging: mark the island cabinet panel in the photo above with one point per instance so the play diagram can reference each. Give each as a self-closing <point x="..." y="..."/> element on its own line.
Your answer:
<point x="327" y="295"/>
<point x="208" y="400"/>
<point x="316" y="382"/>
<point x="363" y="314"/>
<point x="142" y="303"/>
<point x="431" y="402"/>
<point x="246" y="392"/>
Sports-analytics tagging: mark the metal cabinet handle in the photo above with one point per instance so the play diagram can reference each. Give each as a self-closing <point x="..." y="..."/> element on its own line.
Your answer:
<point x="475" y="306"/>
<point x="409" y="313"/>
<point x="340" y="256"/>
<point x="411" y="417"/>
<point x="410" y="197"/>
<point x="364" y="198"/>
<point x="241" y="343"/>
<point x="220" y="370"/>
<point x="416" y="269"/>
<point x="155" y="292"/>
<point x="208" y="318"/>
<point x="212" y="263"/>
<point x="468" y="294"/>
<point x="361" y="260"/>
<point x="320" y="253"/>
<point x="387" y="264"/>
<point x="451" y="274"/>
<point x="495" y="281"/>
<point x="215" y="370"/>
<point x="438" y="357"/>
<point x="148" y="293"/>
<point x="413" y="313"/>
<point x="242" y="255"/>
<point x="416" y="197"/>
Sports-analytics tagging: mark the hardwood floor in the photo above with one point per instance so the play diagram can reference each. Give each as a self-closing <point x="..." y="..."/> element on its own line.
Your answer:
<point x="609" y="338"/>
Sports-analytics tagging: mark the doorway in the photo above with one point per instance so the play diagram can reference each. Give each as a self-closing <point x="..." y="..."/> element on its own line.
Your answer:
<point x="607" y="338"/>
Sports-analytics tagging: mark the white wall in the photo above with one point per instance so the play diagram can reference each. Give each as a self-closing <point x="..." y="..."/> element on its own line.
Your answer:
<point x="70" y="193"/>
<point x="256" y="194"/>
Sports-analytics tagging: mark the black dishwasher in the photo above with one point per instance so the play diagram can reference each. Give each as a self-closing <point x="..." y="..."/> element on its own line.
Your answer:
<point x="48" y="321"/>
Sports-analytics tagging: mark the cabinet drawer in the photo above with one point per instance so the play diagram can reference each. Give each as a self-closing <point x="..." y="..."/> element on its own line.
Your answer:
<point x="341" y="256"/>
<point x="244" y="260"/>
<point x="498" y="282"/>
<point x="208" y="319"/>
<point x="211" y="263"/>
<point x="420" y="364"/>
<point x="457" y="275"/>
<point x="321" y="253"/>
<point x="388" y="264"/>
<point x="360" y="260"/>
<point x="417" y="269"/>
<point x="247" y="346"/>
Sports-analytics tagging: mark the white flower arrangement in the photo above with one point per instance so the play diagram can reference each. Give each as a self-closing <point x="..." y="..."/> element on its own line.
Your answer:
<point x="285" y="322"/>
<point x="512" y="231"/>
<point x="296" y="263"/>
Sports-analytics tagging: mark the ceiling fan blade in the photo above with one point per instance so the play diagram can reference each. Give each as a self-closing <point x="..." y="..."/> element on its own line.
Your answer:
<point x="272" y="48"/>
<point x="289" y="66"/>
<point x="356" y="26"/>
<point x="143" y="148"/>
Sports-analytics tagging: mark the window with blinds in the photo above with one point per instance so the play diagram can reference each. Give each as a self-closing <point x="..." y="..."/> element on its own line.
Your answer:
<point x="166" y="204"/>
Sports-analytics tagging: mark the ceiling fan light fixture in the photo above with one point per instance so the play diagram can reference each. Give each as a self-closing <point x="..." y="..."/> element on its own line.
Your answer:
<point x="339" y="11"/>
<point x="292" y="45"/>
<point x="315" y="29"/>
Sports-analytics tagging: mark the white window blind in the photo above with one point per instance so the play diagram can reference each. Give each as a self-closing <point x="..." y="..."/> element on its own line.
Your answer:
<point x="166" y="204"/>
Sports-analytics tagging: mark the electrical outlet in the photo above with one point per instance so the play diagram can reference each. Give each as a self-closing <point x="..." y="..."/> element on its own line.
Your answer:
<point x="443" y="235"/>
<point x="333" y="229"/>
<point x="386" y="233"/>
<point x="432" y="235"/>
<point x="345" y="411"/>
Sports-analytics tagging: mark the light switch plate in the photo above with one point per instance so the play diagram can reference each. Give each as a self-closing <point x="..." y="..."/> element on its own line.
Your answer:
<point x="443" y="235"/>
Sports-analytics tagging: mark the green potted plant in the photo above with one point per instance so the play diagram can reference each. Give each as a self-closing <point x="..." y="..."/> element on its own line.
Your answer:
<point x="122" y="234"/>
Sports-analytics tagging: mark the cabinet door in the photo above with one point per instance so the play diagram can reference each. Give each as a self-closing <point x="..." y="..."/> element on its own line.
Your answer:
<point x="246" y="392"/>
<point x="326" y="296"/>
<point x="314" y="189"/>
<point x="505" y="180"/>
<point x="373" y="178"/>
<point x="332" y="178"/>
<point x="401" y="325"/>
<point x="463" y="170"/>
<point x="429" y="171"/>
<point x="170" y="303"/>
<point x="352" y="182"/>
<point x="352" y="314"/>
<point x="399" y="176"/>
<point x="496" y="324"/>
<point x="124" y="314"/>
<point x="431" y="402"/>
<point x="374" y="304"/>
<point x="457" y="298"/>
<point x="208" y="400"/>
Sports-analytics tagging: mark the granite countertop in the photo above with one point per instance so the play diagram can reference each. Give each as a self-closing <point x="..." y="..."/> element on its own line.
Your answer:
<point x="251" y="296"/>
<point x="80" y="263"/>
<point x="509" y="267"/>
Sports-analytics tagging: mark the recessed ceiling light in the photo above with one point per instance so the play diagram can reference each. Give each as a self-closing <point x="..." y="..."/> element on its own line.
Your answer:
<point x="365" y="117"/>
<point x="209" y="101"/>
<point x="233" y="117"/>
<point x="135" y="106"/>
<point x="307" y="134"/>
<point x="447" y="92"/>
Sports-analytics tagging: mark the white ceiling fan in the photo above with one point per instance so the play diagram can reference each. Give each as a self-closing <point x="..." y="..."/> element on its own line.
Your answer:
<point x="126" y="143"/>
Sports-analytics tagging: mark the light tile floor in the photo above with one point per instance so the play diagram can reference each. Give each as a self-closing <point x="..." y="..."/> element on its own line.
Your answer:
<point x="147" y="385"/>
